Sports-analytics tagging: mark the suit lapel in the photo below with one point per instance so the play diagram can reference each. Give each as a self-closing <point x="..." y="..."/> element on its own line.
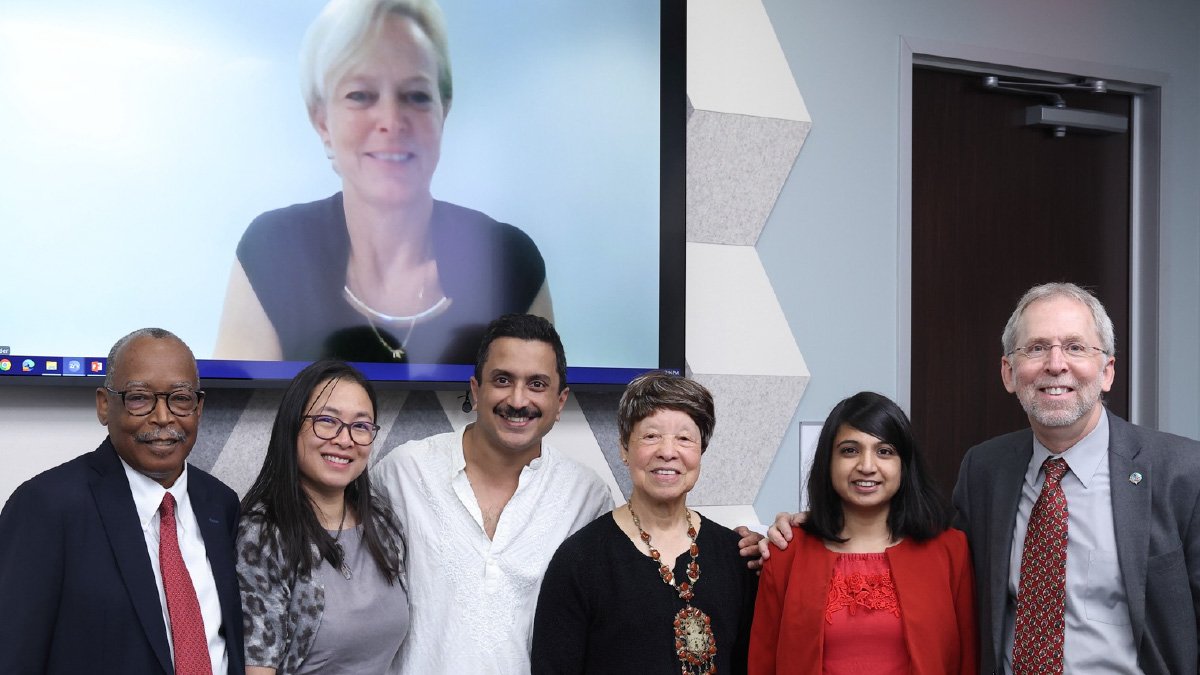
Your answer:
<point x="1131" y="515"/>
<point x="1006" y="477"/>
<point x="114" y="503"/>
<point x="218" y="545"/>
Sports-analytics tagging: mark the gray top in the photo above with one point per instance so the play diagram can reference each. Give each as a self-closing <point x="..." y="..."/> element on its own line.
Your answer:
<point x="365" y="619"/>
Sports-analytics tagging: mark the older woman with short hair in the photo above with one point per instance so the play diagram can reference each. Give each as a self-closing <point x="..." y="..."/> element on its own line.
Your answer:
<point x="651" y="587"/>
<point x="380" y="271"/>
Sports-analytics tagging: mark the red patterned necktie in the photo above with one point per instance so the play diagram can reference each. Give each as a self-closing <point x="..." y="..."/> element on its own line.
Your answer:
<point x="1041" y="596"/>
<point x="187" y="625"/>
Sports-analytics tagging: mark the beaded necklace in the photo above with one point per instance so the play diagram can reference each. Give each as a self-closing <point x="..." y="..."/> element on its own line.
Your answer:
<point x="695" y="644"/>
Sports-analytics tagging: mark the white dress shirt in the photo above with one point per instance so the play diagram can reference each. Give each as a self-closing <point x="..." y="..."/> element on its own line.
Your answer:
<point x="473" y="598"/>
<point x="1098" y="637"/>
<point x="147" y="497"/>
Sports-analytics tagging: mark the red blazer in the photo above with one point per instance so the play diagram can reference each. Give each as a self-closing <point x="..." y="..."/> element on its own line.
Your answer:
<point x="934" y="584"/>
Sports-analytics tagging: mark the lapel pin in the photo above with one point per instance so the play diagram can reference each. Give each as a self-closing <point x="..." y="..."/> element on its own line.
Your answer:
<point x="1135" y="478"/>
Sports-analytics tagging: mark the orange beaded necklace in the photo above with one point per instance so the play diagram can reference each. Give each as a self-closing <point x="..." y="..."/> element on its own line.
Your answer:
<point x="695" y="644"/>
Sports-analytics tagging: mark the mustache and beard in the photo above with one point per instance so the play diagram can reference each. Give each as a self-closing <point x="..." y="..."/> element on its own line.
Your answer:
<point x="1058" y="413"/>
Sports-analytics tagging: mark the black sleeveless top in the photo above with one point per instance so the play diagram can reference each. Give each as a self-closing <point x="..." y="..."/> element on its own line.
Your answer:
<point x="295" y="258"/>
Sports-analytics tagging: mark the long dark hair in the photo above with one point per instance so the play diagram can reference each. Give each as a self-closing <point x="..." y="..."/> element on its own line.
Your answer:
<point x="917" y="511"/>
<point x="278" y="497"/>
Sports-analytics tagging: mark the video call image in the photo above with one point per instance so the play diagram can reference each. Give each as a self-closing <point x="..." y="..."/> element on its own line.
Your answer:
<point x="167" y="164"/>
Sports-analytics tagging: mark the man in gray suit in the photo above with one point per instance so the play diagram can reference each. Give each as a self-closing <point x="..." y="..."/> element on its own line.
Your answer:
<point x="1128" y="596"/>
<point x="1132" y="579"/>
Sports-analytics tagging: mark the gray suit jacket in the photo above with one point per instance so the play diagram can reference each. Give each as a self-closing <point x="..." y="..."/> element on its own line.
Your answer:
<point x="1158" y="537"/>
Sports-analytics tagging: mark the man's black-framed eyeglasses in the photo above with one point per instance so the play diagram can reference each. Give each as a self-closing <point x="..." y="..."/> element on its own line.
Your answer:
<point x="141" y="402"/>
<point x="327" y="428"/>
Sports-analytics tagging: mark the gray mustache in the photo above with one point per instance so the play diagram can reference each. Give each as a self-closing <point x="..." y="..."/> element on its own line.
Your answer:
<point x="165" y="434"/>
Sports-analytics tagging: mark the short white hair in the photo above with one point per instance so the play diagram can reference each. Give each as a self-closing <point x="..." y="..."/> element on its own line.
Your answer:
<point x="346" y="29"/>
<point x="1103" y="324"/>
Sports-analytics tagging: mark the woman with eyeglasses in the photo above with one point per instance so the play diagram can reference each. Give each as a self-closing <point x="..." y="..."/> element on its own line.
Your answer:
<point x="320" y="558"/>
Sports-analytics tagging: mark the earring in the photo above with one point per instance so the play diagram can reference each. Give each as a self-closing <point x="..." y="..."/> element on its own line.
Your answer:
<point x="625" y="461"/>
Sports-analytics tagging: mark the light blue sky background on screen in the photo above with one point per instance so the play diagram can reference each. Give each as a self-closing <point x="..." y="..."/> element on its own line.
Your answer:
<point x="141" y="137"/>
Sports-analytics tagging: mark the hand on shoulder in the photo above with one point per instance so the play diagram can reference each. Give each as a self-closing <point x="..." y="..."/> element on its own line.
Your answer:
<point x="780" y="532"/>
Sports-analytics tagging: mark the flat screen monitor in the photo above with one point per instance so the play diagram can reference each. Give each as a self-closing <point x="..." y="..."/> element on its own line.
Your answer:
<point x="142" y="139"/>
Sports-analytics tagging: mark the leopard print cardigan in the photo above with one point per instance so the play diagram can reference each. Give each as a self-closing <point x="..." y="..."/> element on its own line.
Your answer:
<point x="281" y="609"/>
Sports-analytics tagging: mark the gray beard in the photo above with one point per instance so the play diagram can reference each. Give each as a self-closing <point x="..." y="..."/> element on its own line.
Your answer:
<point x="1062" y="415"/>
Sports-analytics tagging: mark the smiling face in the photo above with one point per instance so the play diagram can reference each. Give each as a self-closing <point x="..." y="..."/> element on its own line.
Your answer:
<point x="157" y="444"/>
<point x="1059" y="393"/>
<point x="383" y="120"/>
<point x="865" y="471"/>
<point x="518" y="400"/>
<point x="664" y="457"/>
<point x="328" y="466"/>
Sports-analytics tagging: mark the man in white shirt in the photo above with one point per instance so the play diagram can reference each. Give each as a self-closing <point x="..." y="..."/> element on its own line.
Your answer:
<point x="484" y="510"/>
<point x="93" y="576"/>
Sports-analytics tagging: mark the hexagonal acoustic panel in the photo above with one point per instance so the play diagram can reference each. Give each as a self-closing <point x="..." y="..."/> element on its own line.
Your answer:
<point x="746" y="121"/>
<point x="739" y="345"/>
<point x="746" y="125"/>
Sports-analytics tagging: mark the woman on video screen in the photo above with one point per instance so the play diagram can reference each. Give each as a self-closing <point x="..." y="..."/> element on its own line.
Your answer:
<point x="380" y="271"/>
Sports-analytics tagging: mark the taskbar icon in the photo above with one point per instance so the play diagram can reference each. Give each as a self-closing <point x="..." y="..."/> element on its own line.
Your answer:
<point x="54" y="366"/>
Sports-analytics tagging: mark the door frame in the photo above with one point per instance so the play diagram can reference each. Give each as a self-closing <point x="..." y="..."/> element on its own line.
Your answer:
<point x="1145" y="86"/>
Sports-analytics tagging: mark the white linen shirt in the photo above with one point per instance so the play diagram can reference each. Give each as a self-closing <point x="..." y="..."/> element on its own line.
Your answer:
<point x="1098" y="637"/>
<point x="472" y="599"/>
<point x="147" y="497"/>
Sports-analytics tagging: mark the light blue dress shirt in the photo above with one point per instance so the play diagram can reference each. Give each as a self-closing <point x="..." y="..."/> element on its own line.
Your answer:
<point x="1098" y="638"/>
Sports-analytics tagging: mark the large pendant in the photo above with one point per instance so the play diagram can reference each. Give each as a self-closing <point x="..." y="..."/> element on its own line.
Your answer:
<point x="694" y="642"/>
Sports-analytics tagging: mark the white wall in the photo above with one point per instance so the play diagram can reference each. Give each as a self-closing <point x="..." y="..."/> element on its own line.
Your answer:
<point x="41" y="427"/>
<point x="830" y="246"/>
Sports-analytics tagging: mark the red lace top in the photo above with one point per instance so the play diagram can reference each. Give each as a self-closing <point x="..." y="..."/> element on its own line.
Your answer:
<point x="863" y="633"/>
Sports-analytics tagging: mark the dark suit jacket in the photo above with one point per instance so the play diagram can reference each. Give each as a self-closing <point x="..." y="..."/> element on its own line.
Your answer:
<point x="77" y="592"/>
<point x="1157" y="525"/>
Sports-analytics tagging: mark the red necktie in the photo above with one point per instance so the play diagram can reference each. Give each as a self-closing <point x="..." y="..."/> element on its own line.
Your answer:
<point x="1041" y="596"/>
<point x="187" y="625"/>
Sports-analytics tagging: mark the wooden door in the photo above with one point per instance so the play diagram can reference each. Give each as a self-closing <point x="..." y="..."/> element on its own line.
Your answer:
<point x="997" y="208"/>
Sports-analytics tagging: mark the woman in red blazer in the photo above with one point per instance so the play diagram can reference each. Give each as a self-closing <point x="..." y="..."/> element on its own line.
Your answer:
<point x="876" y="582"/>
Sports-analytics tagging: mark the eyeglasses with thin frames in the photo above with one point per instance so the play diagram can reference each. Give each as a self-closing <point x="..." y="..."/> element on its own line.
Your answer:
<point x="142" y="402"/>
<point x="328" y="427"/>
<point x="1039" y="351"/>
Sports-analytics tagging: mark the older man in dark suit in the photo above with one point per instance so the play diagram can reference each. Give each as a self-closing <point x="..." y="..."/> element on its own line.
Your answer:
<point x="121" y="560"/>
<point x="1084" y="529"/>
